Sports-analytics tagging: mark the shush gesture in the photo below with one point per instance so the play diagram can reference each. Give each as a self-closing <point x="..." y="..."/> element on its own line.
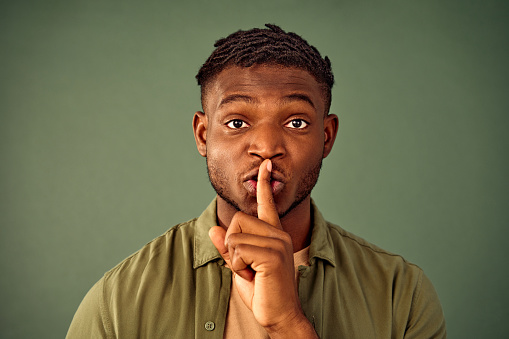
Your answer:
<point x="260" y="255"/>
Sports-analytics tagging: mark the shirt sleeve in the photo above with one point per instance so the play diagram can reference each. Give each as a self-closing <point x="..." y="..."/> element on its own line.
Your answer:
<point x="90" y="320"/>
<point x="426" y="316"/>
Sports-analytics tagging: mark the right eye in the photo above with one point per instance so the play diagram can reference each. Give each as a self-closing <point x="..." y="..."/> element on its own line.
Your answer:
<point x="236" y="124"/>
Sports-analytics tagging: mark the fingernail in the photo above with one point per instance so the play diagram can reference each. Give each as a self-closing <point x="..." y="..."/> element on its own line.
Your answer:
<point x="269" y="166"/>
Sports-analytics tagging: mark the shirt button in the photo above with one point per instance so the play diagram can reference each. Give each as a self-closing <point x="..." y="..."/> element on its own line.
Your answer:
<point x="209" y="326"/>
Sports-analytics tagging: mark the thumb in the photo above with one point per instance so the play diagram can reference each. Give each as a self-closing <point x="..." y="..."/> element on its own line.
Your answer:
<point x="217" y="235"/>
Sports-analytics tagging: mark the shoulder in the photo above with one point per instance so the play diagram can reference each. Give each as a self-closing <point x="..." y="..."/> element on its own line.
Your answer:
<point x="350" y="242"/>
<point x="160" y="270"/>
<point x="356" y="255"/>
<point x="350" y="253"/>
<point x="388" y="279"/>
<point x="173" y="247"/>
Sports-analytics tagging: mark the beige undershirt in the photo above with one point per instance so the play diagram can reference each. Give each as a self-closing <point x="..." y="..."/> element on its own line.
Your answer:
<point x="240" y="321"/>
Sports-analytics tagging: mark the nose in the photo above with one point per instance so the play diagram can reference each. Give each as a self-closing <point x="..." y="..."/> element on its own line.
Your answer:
<point x="267" y="142"/>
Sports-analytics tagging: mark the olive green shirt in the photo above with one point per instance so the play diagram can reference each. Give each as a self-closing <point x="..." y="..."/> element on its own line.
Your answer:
<point x="178" y="287"/>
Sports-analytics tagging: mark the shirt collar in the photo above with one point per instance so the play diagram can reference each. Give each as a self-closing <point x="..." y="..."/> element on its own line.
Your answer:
<point x="321" y="242"/>
<point x="205" y="251"/>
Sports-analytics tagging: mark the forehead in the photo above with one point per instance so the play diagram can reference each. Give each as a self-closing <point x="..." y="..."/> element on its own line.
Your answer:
<point x="263" y="82"/>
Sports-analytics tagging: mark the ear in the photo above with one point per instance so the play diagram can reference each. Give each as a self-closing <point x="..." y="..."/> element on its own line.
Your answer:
<point x="200" y="132"/>
<point x="330" y="128"/>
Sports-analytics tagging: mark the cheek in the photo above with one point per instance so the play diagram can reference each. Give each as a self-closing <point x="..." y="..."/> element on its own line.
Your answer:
<point x="221" y="146"/>
<point x="221" y="155"/>
<point x="306" y="157"/>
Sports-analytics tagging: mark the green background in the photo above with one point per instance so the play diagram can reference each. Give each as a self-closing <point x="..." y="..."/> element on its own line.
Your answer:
<point x="97" y="155"/>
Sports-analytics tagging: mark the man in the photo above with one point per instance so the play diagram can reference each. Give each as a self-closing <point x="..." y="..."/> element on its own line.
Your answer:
<point x="261" y="261"/>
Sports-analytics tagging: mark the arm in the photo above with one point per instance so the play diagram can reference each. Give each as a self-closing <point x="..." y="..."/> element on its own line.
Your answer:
<point x="426" y="318"/>
<point x="89" y="322"/>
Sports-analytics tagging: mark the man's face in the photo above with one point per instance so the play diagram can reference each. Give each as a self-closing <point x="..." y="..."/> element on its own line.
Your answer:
<point x="264" y="112"/>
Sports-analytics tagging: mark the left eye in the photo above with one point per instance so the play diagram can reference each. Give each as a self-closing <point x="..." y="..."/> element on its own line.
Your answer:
<point x="297" y="124"/>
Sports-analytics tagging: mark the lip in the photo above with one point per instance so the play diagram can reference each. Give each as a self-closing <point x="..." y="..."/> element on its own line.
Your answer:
<point x="253" y="175"/>
<point x="250" y="182"/>
<point x="250" y="186"/>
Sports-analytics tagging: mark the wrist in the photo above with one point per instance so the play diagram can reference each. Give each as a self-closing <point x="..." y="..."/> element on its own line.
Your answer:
<point x="295" y="327"/>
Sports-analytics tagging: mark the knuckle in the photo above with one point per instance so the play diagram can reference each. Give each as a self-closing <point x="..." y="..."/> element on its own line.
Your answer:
<point x="285" y="237"/>
<point x="236" y="217"/>
<point x="239" y="250"/>
<point x="281" y="246"/>
<point x="236" y="222"/>
<point x="230" y="240"/>
<point x="278" y="255"/>
<point x="237" y="264"/>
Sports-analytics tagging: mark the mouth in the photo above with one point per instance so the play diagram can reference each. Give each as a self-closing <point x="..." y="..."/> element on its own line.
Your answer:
<point x="251" y="182"/>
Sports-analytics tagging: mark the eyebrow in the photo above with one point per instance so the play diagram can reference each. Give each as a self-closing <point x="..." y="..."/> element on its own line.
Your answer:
<point x="298" y="97"/>
<point x="237" y="97"/>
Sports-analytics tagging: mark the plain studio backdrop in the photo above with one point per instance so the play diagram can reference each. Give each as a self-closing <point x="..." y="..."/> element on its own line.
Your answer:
<point x="97" y="155"/>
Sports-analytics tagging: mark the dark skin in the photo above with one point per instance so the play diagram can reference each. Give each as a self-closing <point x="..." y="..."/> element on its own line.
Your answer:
<point x="265" y="133"/>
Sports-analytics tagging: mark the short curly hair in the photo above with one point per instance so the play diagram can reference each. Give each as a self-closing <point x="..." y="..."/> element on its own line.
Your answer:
<point x="270" y="45"/>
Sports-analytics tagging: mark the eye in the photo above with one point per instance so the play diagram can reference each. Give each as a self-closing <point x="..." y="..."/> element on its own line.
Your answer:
<point x="297" y="124"/>
<point x="236" y="124"/>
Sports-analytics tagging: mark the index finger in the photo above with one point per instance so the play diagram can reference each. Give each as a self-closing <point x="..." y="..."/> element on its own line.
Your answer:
<point x="267" y="210"/>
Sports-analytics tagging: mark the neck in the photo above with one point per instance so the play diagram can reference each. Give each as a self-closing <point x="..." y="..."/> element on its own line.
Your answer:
<point x="297" y="222"/>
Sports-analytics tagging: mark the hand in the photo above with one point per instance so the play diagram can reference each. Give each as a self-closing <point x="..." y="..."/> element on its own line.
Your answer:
<point x="260" y="255"/>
